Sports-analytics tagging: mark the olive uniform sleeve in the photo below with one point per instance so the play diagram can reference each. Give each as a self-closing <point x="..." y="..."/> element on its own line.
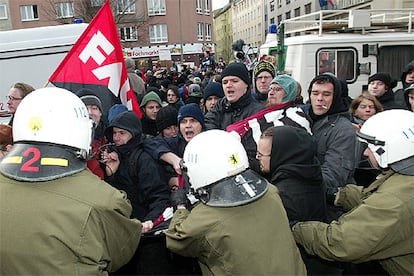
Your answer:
<point x="376" y="229"/>
<point x="109" y="236"/>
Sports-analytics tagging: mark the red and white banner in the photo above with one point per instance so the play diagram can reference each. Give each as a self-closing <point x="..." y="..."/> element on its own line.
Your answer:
<point x="96" y="62"/>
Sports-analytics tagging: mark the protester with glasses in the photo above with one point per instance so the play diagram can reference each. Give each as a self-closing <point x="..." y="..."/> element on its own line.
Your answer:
<point x="287" y="157"/>
<point x="16" y="94"/>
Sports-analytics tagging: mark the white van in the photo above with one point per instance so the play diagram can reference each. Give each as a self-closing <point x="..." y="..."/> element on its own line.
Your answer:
<point x="32" y="55"/>
<point x="352" y="44"/>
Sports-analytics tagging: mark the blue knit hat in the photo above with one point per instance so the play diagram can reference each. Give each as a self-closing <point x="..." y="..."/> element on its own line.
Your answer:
<point x="289" y="85"/>
<point x="213" y="89"/>
<point x="192" y="110"/>
<point x="115" y="110"/>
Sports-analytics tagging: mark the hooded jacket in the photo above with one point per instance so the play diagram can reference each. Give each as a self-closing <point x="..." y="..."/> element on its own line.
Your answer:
<point x="296" y="172"/>
<point x="335" y="137"/>
<point x="149" y="194"/>
<point x="400" y="96"/>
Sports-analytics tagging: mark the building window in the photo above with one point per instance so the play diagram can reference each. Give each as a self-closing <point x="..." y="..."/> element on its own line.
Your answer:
<point x="279" y="18"/>
<point x="97" y="3"/>
<point x="156" y="7"/>
<point x="3" y="12"/>
<point x="207" y="6"/>
<point x="64" y="10"/>
<point x="128" y="34"/>
<point x="158" y="33"/>
<point x="287" y="2"/>
<point x="308" y="9"/>
<point x="208" y="32"/>
<point x="199" y="8"/>
<point x="297" y="12"/>
<point x="126" y="6"/>
<point x="200" y="31"/>
<point x="29" y="13"/>
<point x="272" y="5"/>
<point x="287" y="15"/>
<point x="279" y="3"/>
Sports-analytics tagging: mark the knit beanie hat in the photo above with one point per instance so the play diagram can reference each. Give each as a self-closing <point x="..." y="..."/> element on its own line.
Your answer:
<point x="264" y="66"/>
<point x="151" y="96"/>
<point x="237" y="69"/>
<point x="194" y="90"/>
<point x="128" y="121"/>
<point x="385" y="78"/>
<point x="213" y="89"/>
<point x="289" y="85"/>
<point x="192" y="110"/>
<point x="165" y="83"/>
<point x="115" y="110"/>
<point x="166" y="116"/>
<point x="92" y="100"/>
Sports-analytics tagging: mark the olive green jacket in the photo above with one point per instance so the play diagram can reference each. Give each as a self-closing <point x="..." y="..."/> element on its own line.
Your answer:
<point x="380" y="227"/>
<point x="252" y="239"/>
<point x="75" y="225"/>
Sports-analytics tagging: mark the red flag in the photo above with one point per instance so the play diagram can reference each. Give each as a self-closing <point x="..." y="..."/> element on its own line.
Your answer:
<point x="96" y="62"/>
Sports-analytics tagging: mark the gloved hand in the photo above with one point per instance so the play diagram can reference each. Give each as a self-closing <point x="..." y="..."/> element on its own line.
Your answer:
<point x="178" y="197"/>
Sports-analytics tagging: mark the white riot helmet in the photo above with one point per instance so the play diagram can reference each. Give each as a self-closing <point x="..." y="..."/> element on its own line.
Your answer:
<point x="217" y="166"/>
<point x="52" y="134"/>
<point x="390" y="136"/>
<point x="213" y="155"/>
<point x="53" y="115"/>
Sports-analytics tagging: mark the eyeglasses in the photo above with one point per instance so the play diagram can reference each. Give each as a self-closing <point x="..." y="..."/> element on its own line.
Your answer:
<point x="11" y="98"/>
<point x="263" y="78"/>
<point x="275" y="89"/>
<point x="260" y="155"/>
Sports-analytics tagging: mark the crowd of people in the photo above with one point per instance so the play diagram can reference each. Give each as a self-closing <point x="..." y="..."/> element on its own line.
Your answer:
<point x="227" y="172"/>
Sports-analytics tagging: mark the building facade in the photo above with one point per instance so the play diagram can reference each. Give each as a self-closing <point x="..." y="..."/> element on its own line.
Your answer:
<point x="150" y="30"/>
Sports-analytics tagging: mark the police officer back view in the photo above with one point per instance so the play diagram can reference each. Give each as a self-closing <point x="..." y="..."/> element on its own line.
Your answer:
<point x="240" y="227"/>
<point x="56" y="217"/>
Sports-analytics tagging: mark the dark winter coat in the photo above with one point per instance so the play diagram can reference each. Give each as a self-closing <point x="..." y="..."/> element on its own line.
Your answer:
<point x="148" y="193"/>
<point x="388" y="102"/>
<point x="335" y="137"/>
<point x="296" y="172"/>
<point x="225" y="113"/>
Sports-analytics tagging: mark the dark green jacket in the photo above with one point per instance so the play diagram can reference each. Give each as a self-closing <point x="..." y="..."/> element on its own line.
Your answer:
<point x="75" y="225"/>
<point x="252" y="239"/>
<point x="380" y="227"/>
